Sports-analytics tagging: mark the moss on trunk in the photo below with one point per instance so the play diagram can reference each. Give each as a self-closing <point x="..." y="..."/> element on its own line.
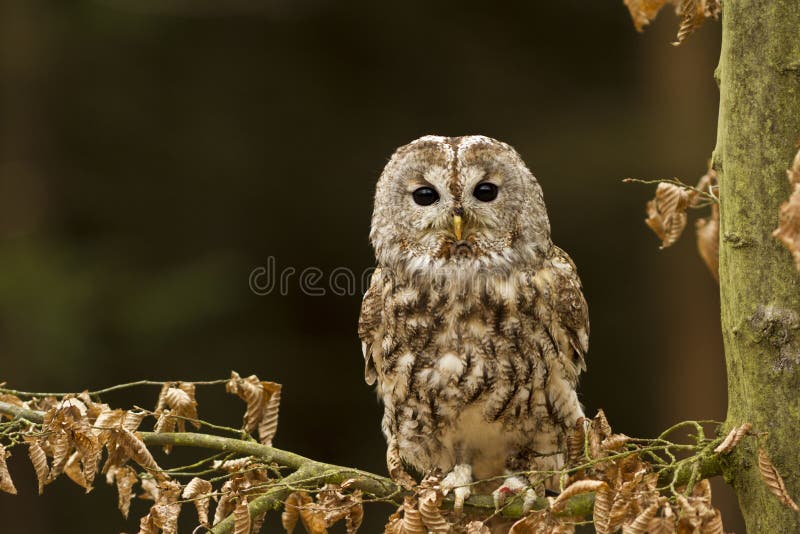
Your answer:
<point x="759" y="124"/>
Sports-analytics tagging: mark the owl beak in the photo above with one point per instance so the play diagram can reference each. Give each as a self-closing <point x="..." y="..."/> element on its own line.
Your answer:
<point x="458" y="225"/>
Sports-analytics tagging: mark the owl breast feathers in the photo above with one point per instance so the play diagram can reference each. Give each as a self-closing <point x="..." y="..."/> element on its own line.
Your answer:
<point x="474" y="326"/>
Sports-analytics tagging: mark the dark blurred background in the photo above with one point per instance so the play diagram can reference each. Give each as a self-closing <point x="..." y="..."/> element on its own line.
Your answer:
<point x="153" y="153"/>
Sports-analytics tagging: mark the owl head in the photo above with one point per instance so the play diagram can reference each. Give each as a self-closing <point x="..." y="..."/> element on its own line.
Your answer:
<point x="459" y="203"/>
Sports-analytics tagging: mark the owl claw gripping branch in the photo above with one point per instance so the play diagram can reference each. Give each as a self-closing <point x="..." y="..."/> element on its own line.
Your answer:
<point x="474" y="325"/>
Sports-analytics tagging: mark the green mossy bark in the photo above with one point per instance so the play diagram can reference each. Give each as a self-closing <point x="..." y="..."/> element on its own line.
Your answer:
<point x="759" y="125"/>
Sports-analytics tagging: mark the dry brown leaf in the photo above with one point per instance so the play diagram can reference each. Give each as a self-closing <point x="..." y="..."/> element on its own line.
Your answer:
<point x="147" y="525"/>
<point x="6" y="483"/>
<point x="788" y="231"/>
<point x="666" y="213"/>
<point x="136" y="449"/>
<point x="713" y="525"/>
<point x="733" y="438"/>
<point x="226" y="503"/>
<point x="644" y="11"/>
<point x="692" y="12"/>
<point x="407" y="520"/>
<point x="241" y="517"/>
<point x="164" y="513"/>
<point x="334" y="505"/>
<point x="263" y="402"/>
<point x="618" y="513"/>
<point x="231" y="466"/>
<point x="258" y="522"/>
<point x="354" y="518"/>
<point x="198" y="491"/>
<point x="661" y="525"/>
<point x="430" y="502"/>
<point x="577" y="488"/>
<point x="269" y="421"/>
<point x="132" y="419"/>
<point x="39" y="461"/>
<point x="536" y="523"/>
<point x="602" y="424"/>
<point x="291" y="510"/>
<point x="182" y="404"/>
<point x="708" y="241"/>
<point x="125" y="478"/>
<point x="642" y="521"/>
<point x="615" y="442"/>
<point x="602" y="509"/>
<point x="75" y="473"/>
<point x="774" y="480"/>
<point x="61" y="448"/>
<point x="477" y="527"/>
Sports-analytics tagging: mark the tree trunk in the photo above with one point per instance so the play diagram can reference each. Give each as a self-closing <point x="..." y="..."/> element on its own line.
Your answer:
<point x="759" y="125"/>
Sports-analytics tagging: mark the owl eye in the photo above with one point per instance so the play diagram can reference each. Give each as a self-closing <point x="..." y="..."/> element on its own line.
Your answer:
<point x="485" y="192"/>
<point x="425" y="196"/>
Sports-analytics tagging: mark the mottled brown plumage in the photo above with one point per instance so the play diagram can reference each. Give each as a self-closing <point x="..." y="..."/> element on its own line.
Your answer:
<point x="475" y="343"/>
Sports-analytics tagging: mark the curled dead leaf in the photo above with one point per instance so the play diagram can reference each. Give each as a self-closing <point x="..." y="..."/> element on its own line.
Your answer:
<point x="241" y="517"/>
<point x="603" y="498"/>
<point x="226" y="503"/>
<point x="788" y="231"/>
<point x="692" y="12"/>
<point x="577" y="488"/>
<point x="666" y="213"/>
<point x="774" y="480"/>
<point x="642" y="521"/>
<point x="615" y="442"/>
<point x="75" y="473"/>
<point x="269" y="421"/>
<point x="477" y="527"/>
<point x="713" y="524"/>
<point x="708" y="241"/>
<point x="733" y="438"/>
<point x="125" y="478"/>
<point x="407" y="520"/>
<point x="39" y="461"/>
<point x="263" y="403"/>
<point x="430" y="501"/>
<point x="164" y="513"/>
<point x="291" y="510"/>
<point x="6" y="483"/>
<point x="198" y="490"/>
<point x="136" y="449"/>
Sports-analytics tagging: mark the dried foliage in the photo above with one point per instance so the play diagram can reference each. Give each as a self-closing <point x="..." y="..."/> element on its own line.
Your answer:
<point x="788" y="231"/>
<point x="407" y="519"/>
<point x="639" y="485"/>
<point x="667" y="214"/>
<point x="199" y="490"/>
<point x="708" y="241"/>
<point x="691" y="12"/>
<point x="6" y="484"/>
<point x="774" y="480"/>
<point x="263" y="402"/>
<point x="332" y="506"/>
<point x="733" y="438"/>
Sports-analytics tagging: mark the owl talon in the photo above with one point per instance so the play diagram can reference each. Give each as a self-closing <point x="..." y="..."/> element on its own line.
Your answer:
<point x="458" y="480"/>
<point x="514" y="486"/>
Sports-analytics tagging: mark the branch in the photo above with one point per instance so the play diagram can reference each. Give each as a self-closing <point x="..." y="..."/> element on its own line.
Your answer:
<point x="311" y="474"/>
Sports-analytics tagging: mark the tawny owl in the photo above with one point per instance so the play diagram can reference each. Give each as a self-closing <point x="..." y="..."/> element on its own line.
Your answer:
<point x="474" y="325"/>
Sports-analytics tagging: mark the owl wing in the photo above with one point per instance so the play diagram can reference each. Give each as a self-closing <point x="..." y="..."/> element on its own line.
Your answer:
<point x="369" y="322"/>
<point x="569" y="304"/>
